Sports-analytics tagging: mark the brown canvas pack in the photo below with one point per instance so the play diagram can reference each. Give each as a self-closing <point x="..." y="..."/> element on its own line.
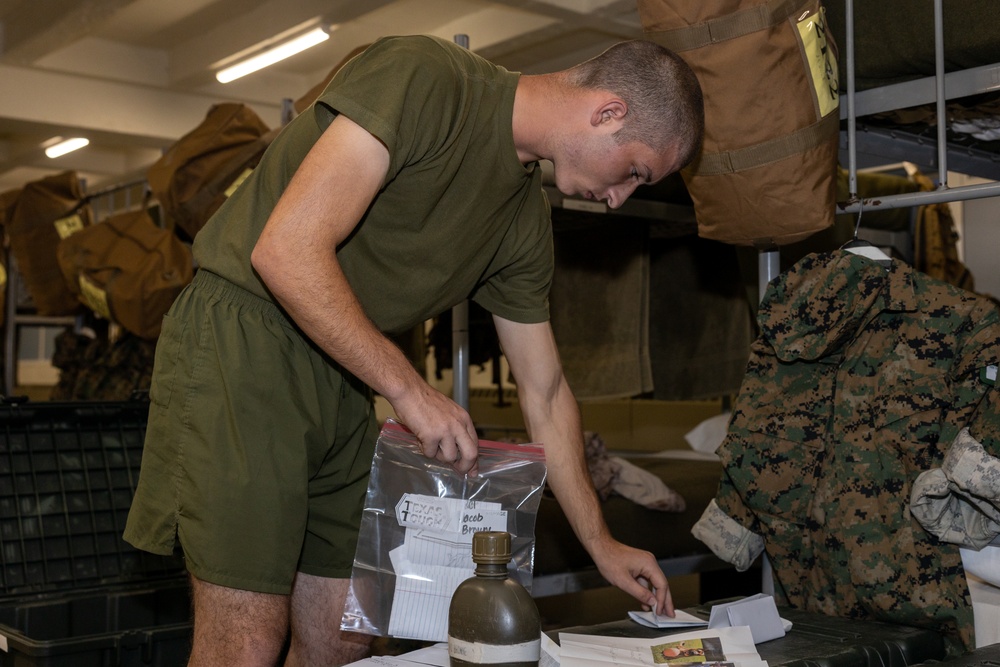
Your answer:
<point x="768" y="71"/>
<point x="193" y="178"/>
<point x="46" y="210"/>
<point x="8" y="200"/>
<point x="127" y="269"/>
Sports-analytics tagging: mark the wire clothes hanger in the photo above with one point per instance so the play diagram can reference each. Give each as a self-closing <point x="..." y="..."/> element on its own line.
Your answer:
<point x="859" y="246"/>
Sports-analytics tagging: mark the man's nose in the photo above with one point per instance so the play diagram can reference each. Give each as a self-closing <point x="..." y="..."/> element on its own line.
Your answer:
<point x="617" y="195"/>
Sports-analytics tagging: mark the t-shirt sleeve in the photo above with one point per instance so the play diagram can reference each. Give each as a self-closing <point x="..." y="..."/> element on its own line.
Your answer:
<point x="398" y="90"/>
<point x="519" y="289"/>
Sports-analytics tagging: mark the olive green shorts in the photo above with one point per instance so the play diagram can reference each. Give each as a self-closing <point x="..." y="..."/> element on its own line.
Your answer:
<point x="258" y="446"/>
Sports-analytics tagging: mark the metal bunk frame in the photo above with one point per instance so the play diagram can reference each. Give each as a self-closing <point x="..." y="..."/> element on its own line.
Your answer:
<point x="921" y="91"/>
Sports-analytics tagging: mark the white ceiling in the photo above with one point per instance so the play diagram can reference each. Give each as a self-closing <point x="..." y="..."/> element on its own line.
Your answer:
<point x="135" y="75"/>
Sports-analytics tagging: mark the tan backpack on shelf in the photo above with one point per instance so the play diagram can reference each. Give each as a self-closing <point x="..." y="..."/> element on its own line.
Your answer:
<point x="196" y="175"/>
<point x="127" y="269"/>
<point x="768" y="71"/>
<point x="46" y="211"/>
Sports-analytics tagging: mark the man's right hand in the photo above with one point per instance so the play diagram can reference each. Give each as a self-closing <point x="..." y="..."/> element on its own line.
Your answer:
<point x="444" y="429"/>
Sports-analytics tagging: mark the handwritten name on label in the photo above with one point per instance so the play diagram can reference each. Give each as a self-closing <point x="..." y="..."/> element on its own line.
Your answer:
<point x="418" y="511"/>
<point x="483" y="520"/>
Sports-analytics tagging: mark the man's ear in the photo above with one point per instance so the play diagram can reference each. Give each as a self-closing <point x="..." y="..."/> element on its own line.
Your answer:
<point x="611" y="110"/>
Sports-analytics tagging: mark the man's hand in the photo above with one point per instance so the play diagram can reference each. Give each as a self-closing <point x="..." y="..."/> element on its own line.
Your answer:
<point x="635" y="572"/>
<point x="444" y="429"/>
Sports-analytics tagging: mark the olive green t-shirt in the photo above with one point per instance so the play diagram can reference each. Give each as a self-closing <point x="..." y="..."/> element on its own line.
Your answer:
<point x="458" y="215"/>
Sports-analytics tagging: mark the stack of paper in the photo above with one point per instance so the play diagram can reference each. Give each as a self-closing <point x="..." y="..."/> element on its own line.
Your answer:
<point x="432" y="656"/>
<point x="721" y="647"/>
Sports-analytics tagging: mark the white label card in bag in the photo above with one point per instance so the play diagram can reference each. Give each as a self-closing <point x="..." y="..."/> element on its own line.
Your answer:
<point x="449" y="515"/>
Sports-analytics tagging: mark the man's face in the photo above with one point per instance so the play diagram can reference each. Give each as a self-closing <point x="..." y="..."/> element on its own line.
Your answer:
<point x="600" y="169"/>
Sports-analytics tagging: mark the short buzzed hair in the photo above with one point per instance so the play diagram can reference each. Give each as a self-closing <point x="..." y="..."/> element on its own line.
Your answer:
<point x="665" y="104"/>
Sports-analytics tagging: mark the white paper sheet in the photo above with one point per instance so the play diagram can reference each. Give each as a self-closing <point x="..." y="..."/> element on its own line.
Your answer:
<point x="436" y="655"/>
<point x="758" y="612"/>
<point x="549" y="656"/>
<point x="422" y="597"/>
<point x="681" y="619"/>
<point x="384" y="661"/>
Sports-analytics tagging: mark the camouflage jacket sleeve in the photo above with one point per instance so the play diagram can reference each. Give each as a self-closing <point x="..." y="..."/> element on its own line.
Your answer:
<point x="728" y="539"/>
<point x="960" y="501"/>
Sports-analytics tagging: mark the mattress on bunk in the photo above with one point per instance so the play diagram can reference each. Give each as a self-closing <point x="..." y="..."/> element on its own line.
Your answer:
<point x="894" y="43"/>
<point x="894" y="39"/>
<point x="665" y="534"/>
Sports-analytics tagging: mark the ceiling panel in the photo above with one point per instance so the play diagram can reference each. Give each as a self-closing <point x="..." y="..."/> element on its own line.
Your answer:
<point x="135" y="75"/>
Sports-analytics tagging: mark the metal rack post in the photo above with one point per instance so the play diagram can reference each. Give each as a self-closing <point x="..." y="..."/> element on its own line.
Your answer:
<point x="460" y="327"/>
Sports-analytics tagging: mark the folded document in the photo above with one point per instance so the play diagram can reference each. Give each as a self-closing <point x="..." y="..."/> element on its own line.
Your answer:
<point x="681" y="619"/>
<point x="757" y="611"/>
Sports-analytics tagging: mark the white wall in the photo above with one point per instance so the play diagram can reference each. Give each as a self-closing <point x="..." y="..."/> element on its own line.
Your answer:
<point x="979" y="225"/>
<point x="982" y="243"/>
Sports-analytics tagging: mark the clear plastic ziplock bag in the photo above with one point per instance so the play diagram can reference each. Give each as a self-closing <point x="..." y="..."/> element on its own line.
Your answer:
<point x="415" y="543"/>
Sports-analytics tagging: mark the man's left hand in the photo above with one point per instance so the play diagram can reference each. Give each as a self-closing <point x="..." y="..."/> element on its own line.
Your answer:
<point x="637" y="573"/>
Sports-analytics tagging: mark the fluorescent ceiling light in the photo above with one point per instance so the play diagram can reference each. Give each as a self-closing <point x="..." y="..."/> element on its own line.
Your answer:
<point x="271" y="56"/>
<point x="67" y="146"/>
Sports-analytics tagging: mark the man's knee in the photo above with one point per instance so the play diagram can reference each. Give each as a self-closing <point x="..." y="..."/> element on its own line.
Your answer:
<point x="236" y="627"/>
<point x="317" y="607"/>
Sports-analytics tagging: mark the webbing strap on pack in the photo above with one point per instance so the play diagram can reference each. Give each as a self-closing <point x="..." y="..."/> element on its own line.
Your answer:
<point x="731" y="26"/>
<point x="728" y="162"/>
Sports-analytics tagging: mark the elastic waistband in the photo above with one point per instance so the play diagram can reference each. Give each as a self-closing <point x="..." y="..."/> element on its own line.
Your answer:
<point x="214" y="284"/>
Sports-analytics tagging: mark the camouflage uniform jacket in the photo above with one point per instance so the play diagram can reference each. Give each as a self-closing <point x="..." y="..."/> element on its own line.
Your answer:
<point x="859" y="381"/>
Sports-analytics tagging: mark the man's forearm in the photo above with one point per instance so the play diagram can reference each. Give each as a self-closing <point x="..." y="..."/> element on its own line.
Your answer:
<point x="558" y="427"/>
